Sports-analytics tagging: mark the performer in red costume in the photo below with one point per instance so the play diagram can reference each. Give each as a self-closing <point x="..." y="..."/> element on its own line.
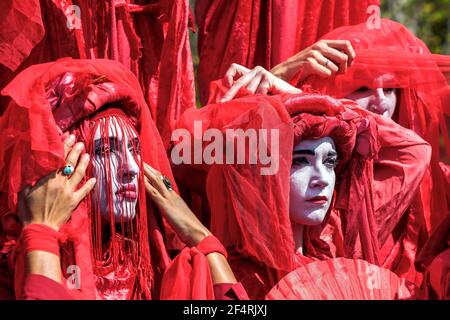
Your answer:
<point x="262" y="218"/>
<point x="149" y="37"/>
<point x="115" y="244"/>
<point x="395" y="75"/>
<point x="266" y="33"/>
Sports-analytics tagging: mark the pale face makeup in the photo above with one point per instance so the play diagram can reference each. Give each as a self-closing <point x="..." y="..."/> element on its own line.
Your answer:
<point x="382" y="101"/>
<point x="312" y="180"/>
<point x="123" y="160"/>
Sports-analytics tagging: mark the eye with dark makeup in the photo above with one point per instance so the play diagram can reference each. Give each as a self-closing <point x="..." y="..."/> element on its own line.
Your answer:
<point x="301" y="157"/>
<point x="101" y="149"/>
<point x="134" y="146"/>
<point x="297" y="161"/>
<point x="331" y="162"/>
<point x="362" y="90"/>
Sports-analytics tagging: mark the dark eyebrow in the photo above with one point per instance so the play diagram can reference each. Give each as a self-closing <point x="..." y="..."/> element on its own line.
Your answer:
<point x="308" y="152"/>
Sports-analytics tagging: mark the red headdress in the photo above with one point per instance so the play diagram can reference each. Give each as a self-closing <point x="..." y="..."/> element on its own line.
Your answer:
<point x="355" y="136"/>
<point x="74" y="96"/>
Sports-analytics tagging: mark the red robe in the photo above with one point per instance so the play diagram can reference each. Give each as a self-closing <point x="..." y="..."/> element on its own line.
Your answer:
<point x="147" y="37"/>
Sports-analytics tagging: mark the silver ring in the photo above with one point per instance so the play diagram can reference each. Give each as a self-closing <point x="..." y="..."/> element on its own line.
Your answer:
<point x="68" y="170"/>
<point x="326" y="63"/>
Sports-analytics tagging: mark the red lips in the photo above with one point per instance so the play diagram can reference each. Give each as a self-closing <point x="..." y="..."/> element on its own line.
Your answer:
<point x="128" y="191"/>
<point x="318" y="200"/>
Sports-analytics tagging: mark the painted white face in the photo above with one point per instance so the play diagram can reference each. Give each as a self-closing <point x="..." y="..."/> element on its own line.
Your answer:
<point x="312" y="180"/>
<point x="380" y="101"/>
<point x="124" y="171"/>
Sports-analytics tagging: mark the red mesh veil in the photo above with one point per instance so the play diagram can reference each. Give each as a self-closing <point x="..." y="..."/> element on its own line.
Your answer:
<point x="80" y="96"/>
<point x="250" y="211"/>
<point x="392" y="57"/>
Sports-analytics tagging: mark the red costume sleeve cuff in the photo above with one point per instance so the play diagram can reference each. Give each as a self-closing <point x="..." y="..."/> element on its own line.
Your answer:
<point x="211" y="244"/>
<point x="38" y="287"/>
<point x="230" y="291"/>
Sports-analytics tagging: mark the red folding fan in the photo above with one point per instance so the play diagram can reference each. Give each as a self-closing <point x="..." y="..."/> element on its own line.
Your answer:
<point x="341" y="279"/>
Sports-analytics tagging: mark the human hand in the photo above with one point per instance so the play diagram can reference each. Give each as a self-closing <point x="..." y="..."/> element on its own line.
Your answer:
<point x="54" y="197"/>
<point x="257" y="80"/>
<point x="190" y="230"/>
<point x="324" y="58"/>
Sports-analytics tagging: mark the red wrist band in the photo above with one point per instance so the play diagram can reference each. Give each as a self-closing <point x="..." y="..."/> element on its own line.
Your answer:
<point x="40" y="237"/>
<point x="211" y="244"/>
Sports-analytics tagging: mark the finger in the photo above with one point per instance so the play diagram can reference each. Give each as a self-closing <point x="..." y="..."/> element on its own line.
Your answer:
<point x="254" y="83"/>
<point x="324" y="61"/>
<point x="242" y="82"/>
<point x="317" y="69"/>
<point x="74" y="154"/>
<point x="345" y="46"/>
<point x="233" y="71"/>
<point x="336" y="57"/>
<point x="153" y="192"/>
<point x="154" y="178"/>
<point x="263" y="87"/>
<point x="80" y="171"/>
<point x="82" y="193"/>
<point x="68" y="143"/>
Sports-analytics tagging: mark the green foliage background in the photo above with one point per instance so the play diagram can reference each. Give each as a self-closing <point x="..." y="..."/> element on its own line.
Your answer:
<point x="428" y="19"/>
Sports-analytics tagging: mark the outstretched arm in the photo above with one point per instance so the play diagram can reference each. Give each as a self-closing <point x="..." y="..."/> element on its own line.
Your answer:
<point x="324" y="58"/>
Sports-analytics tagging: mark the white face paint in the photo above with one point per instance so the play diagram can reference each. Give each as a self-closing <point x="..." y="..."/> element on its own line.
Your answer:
<point x="312" y="180"/>
<point x="124" y="171"/>
<point x="380" y="101"/>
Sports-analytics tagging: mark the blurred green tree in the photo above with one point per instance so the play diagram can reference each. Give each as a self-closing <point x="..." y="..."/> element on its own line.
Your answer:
<point x="428" y="19"/>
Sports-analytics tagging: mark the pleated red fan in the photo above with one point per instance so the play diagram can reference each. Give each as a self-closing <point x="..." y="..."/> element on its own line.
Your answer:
<point x="340" y="279"/>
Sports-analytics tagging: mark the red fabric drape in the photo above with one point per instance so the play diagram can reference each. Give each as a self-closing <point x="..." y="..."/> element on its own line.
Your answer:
<point x="264" y="33"/>
<point x="149" y="37"/>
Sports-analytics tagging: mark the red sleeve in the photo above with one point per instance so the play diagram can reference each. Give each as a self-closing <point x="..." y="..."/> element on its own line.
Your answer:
<point x="230" y="291"/>
<point x="402" y="162"/>
<point x="38" y="287"/>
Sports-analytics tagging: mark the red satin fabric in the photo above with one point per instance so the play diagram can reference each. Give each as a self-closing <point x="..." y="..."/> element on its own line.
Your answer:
<point x="51" y="98"/>
<point x="392" y="57"/>
<point x="39" y="287"/>
<point x="250" y="214"/>
<point x="264" y="33"/>
<point x="149" y="37"/>
<point x="434" y="259"/>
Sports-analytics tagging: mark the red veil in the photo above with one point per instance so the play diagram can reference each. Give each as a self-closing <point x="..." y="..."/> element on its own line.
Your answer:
<point x="63" y="96"/>
<point x="402" y="61"/>
<point x="250" y="211"/>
